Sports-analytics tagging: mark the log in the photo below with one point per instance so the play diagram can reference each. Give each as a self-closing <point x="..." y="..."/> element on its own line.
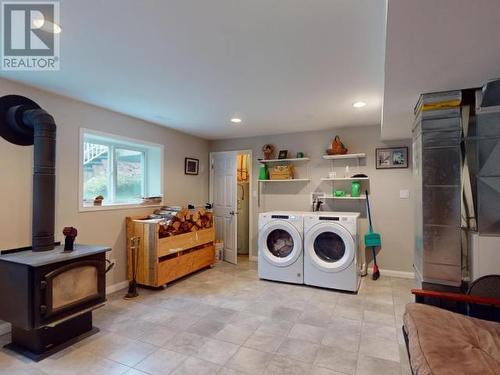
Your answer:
<point x="186" y="221"/>
<point x="182" y="214"/>
<point x="186" y="226"/>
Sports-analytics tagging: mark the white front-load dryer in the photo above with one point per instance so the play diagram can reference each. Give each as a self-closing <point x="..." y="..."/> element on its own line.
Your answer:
<point x="331" y="250"/>
<point x="280" y="247"/>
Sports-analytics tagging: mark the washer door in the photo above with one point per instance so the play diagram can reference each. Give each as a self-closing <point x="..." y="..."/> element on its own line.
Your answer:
<point x="280" y="243"/>
<point x="330" y="247"/>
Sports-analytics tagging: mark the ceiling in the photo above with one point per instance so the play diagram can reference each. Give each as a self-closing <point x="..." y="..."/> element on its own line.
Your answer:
<point x="280" y="65"/>
<point x="436" y="46"/>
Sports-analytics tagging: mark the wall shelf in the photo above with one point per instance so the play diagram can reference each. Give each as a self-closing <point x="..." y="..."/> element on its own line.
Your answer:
<point x="264" y="161"/>
<point x="288" y="161"/>
<point x="347" y="197"/>
<point x="345" y="156"/>
<point x="289" y="180"/>
<point x="345" y="179"/>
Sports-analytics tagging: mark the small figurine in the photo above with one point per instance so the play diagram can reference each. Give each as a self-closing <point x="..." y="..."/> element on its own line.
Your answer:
<point x="268" y="151"/>
<point x="337" y="148"/>
<point x="70" y="233"/>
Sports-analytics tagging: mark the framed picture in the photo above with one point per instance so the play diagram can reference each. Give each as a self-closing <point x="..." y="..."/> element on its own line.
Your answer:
<point x="391" y="157"/>
<point x="283" y="154"/>
<point x="191" y="166"/>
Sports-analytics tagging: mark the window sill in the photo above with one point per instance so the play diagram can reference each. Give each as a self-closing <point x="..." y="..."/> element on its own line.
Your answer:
<point x="117" y="206"/>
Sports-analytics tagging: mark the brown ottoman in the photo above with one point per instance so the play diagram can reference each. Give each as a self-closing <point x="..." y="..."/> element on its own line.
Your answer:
<point x="443" y="342"/>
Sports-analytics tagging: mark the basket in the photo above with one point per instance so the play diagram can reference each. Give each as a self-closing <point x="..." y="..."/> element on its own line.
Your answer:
<point x="281" y="172"/>
<point x="337" y="148"/>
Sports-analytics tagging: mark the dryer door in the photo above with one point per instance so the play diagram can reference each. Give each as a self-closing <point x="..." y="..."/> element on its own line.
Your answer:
<point x="280" y="243"/>
<point x="330" y="247"/>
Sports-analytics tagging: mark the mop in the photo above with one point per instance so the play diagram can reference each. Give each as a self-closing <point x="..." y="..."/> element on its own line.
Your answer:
<point x="372" y="240"/>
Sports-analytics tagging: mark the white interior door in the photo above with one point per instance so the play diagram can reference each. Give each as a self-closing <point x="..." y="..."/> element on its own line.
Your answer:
<point x="223" y="191"/>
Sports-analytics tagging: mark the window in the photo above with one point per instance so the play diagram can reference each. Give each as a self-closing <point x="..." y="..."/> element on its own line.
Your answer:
<point x="121" y="170"/>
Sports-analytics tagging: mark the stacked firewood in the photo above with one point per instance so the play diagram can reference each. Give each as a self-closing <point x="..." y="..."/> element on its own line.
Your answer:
<point x="186" y="221"/>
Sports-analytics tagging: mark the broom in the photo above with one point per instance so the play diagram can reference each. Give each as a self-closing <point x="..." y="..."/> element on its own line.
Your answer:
<point x="372" y="240"/>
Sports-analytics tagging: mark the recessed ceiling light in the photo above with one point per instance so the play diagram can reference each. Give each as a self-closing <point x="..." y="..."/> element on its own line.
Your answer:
<point x="359" y="104"/>
<point x="236" y="120"/>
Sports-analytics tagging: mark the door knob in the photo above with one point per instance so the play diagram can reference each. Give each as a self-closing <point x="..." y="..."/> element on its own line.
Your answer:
<point x="233" y="213"/>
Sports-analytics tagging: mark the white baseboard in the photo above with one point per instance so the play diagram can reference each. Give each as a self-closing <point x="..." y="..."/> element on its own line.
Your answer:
<point x="4" y="328"/>
<point x="393" y="273"/>
<point x="116" y="287"/>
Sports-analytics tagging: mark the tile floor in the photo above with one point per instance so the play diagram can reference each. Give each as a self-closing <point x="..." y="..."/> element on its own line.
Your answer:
<point x="227" y="321"/>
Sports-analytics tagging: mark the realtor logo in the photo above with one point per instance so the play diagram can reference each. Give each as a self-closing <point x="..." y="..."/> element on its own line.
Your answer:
<point x="30" y="35"/>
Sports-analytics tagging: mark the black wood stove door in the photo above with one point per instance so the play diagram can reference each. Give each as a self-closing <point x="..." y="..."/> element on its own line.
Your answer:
<point x="68" y="288"/>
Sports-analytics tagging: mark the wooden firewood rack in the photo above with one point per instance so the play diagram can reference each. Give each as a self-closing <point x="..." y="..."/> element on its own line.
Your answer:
<point x="163" y="260"/>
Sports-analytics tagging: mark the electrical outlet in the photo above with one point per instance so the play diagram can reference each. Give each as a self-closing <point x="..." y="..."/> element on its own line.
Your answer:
<point x="404" y="194"/>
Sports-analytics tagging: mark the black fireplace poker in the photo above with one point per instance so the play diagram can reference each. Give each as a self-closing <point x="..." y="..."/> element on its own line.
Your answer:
<point x="24" y="123"/>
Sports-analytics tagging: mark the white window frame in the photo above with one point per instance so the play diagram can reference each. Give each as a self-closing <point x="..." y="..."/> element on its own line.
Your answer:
<point x="112" y="163"/>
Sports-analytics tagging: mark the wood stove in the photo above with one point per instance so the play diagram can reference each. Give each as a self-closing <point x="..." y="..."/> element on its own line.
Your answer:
<point x="47" y="291"/>
<point x="48" y="297"/>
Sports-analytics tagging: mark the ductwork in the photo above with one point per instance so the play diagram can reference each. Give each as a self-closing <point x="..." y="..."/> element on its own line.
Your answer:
<point x="491" y="94"/>
<point x="24" y="123"/>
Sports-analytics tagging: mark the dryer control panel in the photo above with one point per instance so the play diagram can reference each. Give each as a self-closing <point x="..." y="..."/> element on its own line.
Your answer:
<point x="329" y="218"/>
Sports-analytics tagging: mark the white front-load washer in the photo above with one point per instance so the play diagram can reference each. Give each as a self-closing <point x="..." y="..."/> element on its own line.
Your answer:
<point x="280" y="246"/>
<point x="331" y="250"/>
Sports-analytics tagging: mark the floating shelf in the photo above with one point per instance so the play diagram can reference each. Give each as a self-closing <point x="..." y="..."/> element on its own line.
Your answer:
<point x="345" y="156"/>
<point x="289" y="180"/>
<point x="348" y="197"/>
<point x="263" y="161"/>
<point x="345" y="179"/>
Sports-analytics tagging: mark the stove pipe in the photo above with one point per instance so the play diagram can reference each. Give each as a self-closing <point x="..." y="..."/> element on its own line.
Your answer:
<point x="24" y="123"/>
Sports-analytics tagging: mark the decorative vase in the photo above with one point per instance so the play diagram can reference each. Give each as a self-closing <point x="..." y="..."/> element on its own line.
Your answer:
<point x="355" y="189"/>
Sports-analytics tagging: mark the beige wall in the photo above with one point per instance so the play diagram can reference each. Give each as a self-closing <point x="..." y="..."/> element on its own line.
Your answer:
<point x="393" y="217"/>
<point x="96" y="227"/>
